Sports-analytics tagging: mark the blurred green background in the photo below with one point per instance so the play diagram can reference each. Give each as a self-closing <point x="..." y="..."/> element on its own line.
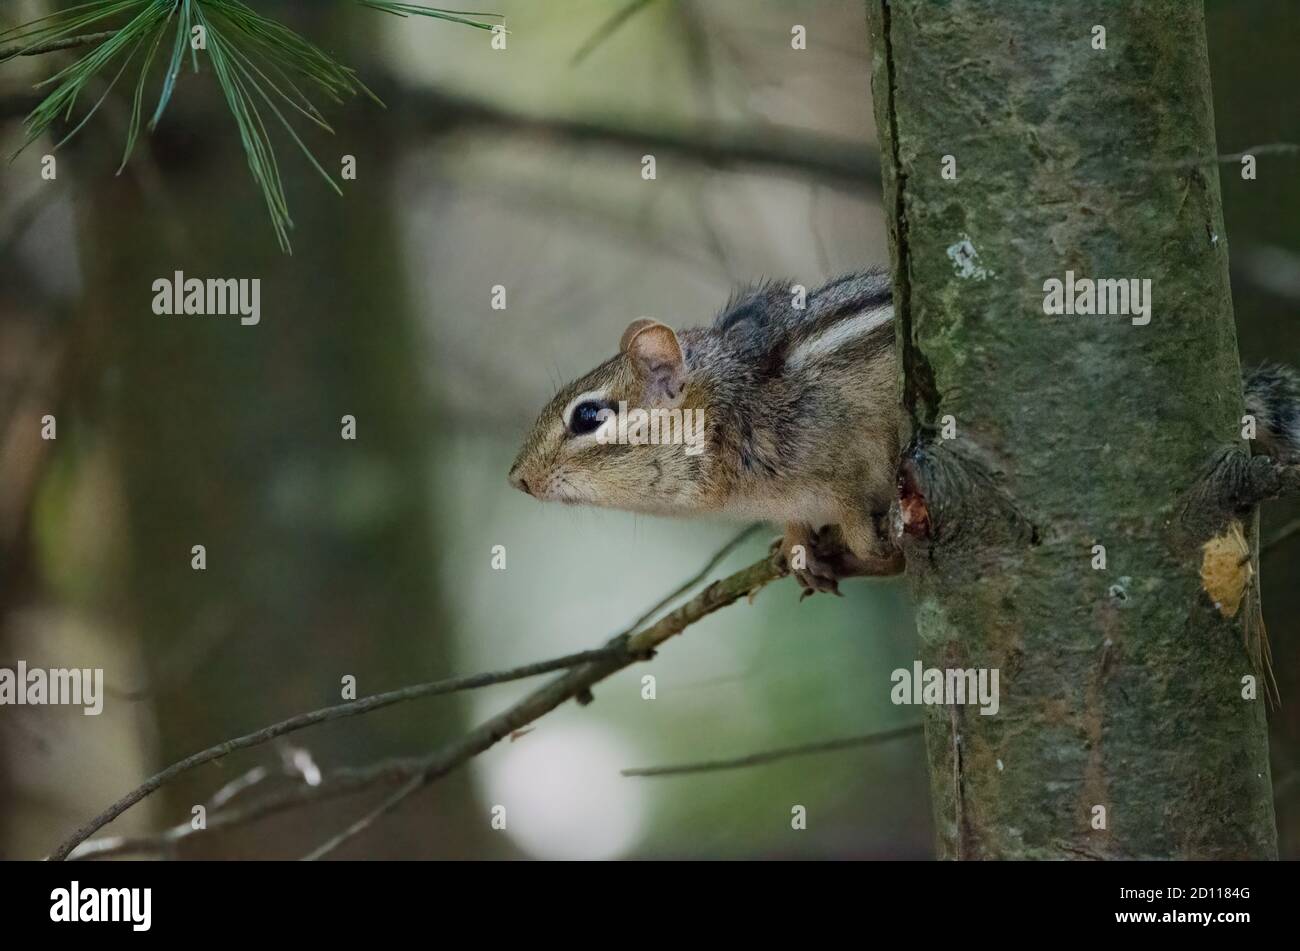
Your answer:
<point x="372" y="558"/>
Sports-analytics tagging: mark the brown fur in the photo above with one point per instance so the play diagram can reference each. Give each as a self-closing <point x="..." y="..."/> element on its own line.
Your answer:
<point x="800" y="415"/>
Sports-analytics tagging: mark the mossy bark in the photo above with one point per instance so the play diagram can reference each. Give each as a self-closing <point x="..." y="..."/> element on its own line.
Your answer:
<point x="1121" y="687"/>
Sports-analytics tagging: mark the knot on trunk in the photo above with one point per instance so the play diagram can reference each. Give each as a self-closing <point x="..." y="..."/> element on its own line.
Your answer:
<point x="1229" y="488"/>
<point x="949" y="504"/>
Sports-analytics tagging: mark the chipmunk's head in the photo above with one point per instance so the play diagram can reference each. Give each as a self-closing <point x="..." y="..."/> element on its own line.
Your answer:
<point x="628" y="435"/>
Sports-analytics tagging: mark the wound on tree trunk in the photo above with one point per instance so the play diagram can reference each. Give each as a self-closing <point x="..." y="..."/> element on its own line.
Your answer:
<point x="1124" y="728"/>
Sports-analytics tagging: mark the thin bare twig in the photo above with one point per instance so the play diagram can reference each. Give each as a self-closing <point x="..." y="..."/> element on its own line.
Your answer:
<point x="50" y="46"/>
<point x="696" y="578"/>
<point x="323" y="715"/>
<point x="613" y="650"/>
<point x="574" y="684"/>
<point x="1272" y="148"/>
<point x="240" y="784"/>
<point x="346" y="782"/>
<point x="335" y="784"/>
<point x="772" y="756"/>
<point x="369" y="819"/>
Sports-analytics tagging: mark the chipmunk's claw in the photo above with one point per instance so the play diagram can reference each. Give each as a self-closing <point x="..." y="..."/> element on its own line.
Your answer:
<point x="814" y="573"/>
<point x="818" y="585"/>
<point x="817" y="577"/>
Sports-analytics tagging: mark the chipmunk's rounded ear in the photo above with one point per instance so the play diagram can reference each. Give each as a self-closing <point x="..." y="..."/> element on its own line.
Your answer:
<point x="657" y="358"/>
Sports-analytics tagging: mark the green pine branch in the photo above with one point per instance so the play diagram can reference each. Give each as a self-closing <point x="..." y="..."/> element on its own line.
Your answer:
<point x="267" y="73"/>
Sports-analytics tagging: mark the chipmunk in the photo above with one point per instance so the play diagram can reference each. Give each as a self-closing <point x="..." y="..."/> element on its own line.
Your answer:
<point x="801" y="425"/>
<point x="801" y="417"/>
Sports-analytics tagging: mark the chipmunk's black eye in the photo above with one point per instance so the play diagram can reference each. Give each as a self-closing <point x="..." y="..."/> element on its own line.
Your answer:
<point x="586" y="417"/>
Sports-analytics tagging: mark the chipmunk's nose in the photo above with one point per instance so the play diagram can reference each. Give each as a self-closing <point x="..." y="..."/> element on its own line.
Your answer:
<point x="518" y="481"/>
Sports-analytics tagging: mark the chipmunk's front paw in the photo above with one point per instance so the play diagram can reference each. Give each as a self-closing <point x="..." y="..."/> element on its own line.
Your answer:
<point x="797" y="553"/>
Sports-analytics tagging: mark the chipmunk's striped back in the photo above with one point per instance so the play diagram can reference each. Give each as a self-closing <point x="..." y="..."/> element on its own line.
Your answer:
<point x="847" y="318"/>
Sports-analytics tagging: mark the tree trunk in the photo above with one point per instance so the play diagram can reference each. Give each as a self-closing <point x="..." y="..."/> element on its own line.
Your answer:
<point x="1122" y="730"/>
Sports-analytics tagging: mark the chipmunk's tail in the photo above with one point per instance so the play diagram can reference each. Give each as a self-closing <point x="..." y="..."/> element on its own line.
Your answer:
<point x="1273" y="398"/>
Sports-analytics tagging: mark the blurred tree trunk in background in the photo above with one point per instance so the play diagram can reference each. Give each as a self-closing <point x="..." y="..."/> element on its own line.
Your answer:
<point x="230" y="437"/>
<point x="1120" y="687"/>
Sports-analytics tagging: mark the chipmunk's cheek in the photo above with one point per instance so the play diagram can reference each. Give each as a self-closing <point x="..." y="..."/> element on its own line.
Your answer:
<point x="546" y="488"/>
<point x="579" y="495"/>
